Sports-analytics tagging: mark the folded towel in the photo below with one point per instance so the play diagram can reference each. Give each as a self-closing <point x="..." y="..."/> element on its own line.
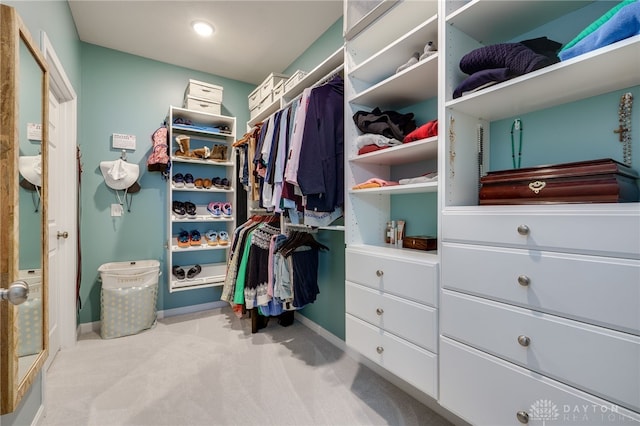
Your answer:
<point x="624" y="24"/>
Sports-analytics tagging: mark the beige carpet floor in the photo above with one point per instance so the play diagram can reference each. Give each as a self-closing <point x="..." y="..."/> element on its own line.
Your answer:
<point x="209" y="369"/>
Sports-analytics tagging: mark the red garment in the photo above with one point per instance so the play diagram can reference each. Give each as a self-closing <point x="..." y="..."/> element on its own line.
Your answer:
<point x="370" y="148"/>
<point x="427" y="130"/>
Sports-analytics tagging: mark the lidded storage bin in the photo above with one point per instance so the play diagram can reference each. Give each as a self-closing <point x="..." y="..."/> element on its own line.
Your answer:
<point x="128" y="297"/>
<point x="203" y="97"/>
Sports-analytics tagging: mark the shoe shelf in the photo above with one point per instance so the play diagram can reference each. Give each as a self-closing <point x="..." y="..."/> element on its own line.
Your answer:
<point x="222" y="190"/>
<point x="204" y="130"/>
<point x="211" y="275"/>
<point x="176" y="159"/>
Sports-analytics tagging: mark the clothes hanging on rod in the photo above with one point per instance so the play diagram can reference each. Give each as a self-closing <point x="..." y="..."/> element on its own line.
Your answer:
<point x="299" y="155"/>
<point x="270" y="273"/>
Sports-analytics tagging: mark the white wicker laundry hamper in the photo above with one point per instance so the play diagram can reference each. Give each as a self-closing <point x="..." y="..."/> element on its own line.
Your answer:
<point x="128" y="297"/>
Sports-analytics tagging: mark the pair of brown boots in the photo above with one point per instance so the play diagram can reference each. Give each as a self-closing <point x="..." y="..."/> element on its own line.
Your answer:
<point x="219" y="152"/>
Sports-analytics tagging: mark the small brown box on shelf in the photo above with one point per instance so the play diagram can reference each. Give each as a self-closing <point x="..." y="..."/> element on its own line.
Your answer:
<point x="596" y="181"/>
<point x="420" y="242"/>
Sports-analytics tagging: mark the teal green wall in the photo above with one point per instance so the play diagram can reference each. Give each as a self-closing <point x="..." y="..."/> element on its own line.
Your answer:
<point x="128" y="94"/>
<point x="321" y="49"/>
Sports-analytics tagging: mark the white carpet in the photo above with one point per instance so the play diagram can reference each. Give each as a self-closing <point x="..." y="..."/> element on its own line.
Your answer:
<point x="209" y="369"/>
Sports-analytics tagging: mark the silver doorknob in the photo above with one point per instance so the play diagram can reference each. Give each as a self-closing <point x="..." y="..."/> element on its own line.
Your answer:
<point x="379" y="272"/>
<point x="523" y="230"/>
<point x="17" y="293"/>
<point x="379" y="349"/>
<point x="64" y="234"/>
<point x="379" y="311"/>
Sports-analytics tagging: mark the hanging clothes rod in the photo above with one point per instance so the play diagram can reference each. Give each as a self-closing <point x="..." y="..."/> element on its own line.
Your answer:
<point x="320" y="82"/>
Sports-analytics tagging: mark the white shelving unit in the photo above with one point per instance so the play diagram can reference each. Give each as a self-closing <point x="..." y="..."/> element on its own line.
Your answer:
<point x="204" y="131"/>
<point x="524" y="315"/>
<point x="391" y="292"/>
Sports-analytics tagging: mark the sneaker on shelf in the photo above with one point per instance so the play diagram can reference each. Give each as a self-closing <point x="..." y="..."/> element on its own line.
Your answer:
<point x="215" y="208"/>
<point x="226" y="210"/>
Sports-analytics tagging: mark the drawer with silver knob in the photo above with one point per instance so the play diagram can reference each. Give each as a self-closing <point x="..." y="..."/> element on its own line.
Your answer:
<point x="598" y="290"/>
<point x="486" y="390"/>
<point x="413" y="321"/>
<point x="595" y="359"/>
<point x="568" y="228"/>
<point x="397" y="275"/>
<point x="409" y="362"/>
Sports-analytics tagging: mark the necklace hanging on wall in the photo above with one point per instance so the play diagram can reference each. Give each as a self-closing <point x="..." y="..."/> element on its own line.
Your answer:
<point x="624" y="127"/>
<point x="516" y="126"/>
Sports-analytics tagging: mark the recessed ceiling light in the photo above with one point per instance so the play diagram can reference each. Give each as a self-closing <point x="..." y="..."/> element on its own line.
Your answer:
<point x="202" y="28"/>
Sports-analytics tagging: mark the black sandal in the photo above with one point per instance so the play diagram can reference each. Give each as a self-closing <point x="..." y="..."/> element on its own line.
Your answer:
<point x="178" y="272"/>
<point x="195" y="270"/>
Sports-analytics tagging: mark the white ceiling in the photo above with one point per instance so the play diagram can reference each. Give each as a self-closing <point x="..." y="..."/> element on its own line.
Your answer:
<point x="252" y="38"/>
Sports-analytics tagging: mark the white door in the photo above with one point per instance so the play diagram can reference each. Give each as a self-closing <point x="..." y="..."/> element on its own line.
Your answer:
<point x="54" y="242"/>
<point x="62" y="205"/>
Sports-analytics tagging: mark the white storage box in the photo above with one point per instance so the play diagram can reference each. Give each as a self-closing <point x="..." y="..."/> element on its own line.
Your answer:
<point x="128" y="297"/>
<point x="202" y="105"/>
<point x="294" y="79"/>
<point x="254" y="112"/>
<point x="266" y="88"/>
<point x="201" y="90"/>
<point x="30" y="314"/>
<point x="278" y="91"/>
<point x="254" y="98"/>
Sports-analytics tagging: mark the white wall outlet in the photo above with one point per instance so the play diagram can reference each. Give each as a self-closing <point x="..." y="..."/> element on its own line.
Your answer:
<point x="116" y="209"/>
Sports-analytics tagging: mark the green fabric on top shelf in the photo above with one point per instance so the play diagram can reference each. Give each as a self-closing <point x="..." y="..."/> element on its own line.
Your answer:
<point x="598" y="23"/>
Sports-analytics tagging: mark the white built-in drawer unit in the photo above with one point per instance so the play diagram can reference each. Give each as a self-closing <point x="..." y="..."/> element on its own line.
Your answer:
<point x="266" y="88"/>
<point x="597" y="360"/>
<point x="486" y="390"/>
<point x="574" y="286"/>
<point x="409" y="362"/>
<point x="410" y="320"/>
<point x="593" y="229"/>
<point x="202" y="105"/>
<point x="206" y="91"/>
<point x="408" y="278"/>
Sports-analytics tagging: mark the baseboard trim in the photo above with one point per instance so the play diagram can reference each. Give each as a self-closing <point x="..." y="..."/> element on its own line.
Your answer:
<point x="94" y="327"/>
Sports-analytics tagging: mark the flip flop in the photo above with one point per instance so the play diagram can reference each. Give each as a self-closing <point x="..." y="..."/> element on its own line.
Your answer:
<point x="195" y="270"/>
<point x="178" y="272"/>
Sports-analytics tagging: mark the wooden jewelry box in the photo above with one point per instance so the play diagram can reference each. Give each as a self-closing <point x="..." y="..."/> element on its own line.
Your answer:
<point x="596" y="181"/>
<point x="420" y="242"/>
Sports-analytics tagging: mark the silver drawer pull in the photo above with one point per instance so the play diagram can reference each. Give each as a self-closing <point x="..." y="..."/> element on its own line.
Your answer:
<point x="379" y="273"/>
<point x="523" y="417"/>
<point x="523" y="230"/>
<point x="379" y="349"/>
<point x="524" y="280"/>
<point x="379" y="311"/>
<point x="524" y="340"/>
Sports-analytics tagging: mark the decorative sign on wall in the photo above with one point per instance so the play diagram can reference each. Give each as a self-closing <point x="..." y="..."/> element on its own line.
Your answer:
<point x="34" y="131"/>
<point x="124" y="141"/>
